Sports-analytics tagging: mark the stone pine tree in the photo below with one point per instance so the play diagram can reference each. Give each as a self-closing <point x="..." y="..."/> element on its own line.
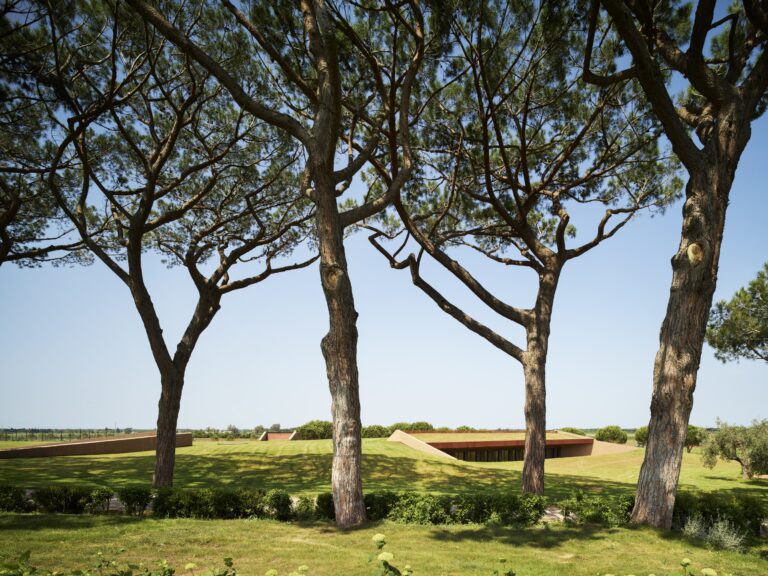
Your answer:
<point x="511" y="146"/>
<point x="344" y="75"/>
<point x="738" y="328"/>
<point x="150" y="155"/>
<point x="32" y="229"/>
<point x="708" y="128"/>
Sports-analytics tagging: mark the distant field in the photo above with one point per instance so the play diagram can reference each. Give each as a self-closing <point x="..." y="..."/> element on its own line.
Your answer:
<point x="304" y="467"/>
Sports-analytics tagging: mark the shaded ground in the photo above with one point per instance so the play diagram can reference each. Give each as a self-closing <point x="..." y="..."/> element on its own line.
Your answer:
<point x="304" y="467"/>
<point x="257" y="545"/>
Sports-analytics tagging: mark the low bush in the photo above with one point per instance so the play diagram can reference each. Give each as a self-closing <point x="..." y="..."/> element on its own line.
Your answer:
<point x="222" y="503"/>
<point x="13" y="499"/>
<point x="278" y="504"/>
<point x="578" y="431"/>
<point x="98" y="501"/>
<point x="641" y="436"/>
<point x="744" y="512"/>
<point x="723" y="534"/>
<point x="598" y="509"/>
<point x="375" y="431"/>
<point x="324" y="506"/>
<point x="416" y="508"/>
<point x="379" y="504"/>
<point x="305" y="508"/>
<point x="315" y="430"/>
<point x="135" y="499"/>
<point x="63" y="499"/>
<point x="412" y="426"/>
<point x="225" y="503"/>
<point x="612" y="434"/>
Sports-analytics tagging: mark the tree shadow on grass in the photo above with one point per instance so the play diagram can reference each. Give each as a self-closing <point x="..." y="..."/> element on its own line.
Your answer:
<point x="246" y="466"/>
<point x="30" y="522"/>
<point x="522" y="537"/>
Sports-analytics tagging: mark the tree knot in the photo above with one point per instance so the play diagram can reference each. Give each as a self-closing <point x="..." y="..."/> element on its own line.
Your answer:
<point x="331" y="275"/>
<point x="695" y="254"/>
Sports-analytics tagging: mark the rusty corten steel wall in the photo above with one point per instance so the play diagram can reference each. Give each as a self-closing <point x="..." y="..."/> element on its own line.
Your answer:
<point x="567" y="451"/>
<point x="91" y="447"/>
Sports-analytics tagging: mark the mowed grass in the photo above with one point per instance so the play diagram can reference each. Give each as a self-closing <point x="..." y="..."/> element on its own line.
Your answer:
<point x="304" y="467"/>
<point x="68" y="542"/>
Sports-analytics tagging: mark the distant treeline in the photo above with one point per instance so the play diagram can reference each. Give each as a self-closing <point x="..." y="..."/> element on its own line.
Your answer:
<point x="60" y="434"/>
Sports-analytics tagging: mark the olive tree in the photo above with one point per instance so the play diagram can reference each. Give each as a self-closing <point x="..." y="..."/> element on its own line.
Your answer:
<point x="747" y="445"/>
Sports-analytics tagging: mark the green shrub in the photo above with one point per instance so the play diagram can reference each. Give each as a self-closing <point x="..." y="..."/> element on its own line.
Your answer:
<point x="324" y="506"/>
<point x="278" y="504"/>
<point x="98" y="500"/>
<point x="723" y="534"/>
<point x="305" y="508"/>
<point x="315" y="430"/>
<point x="383" y="560"/>
<point x="378" y="504"/>
<point x="375" y="431"/>
<point x="415" y="508"/>
<point x="13" y="499"/>
<point x="63" y="499"/>
<point x="745" y="512"/>
<point x="599" y="509"/>
<point x="252" y="503"/>
<point x="578" y="431"/>
<point x="641" y="436"/>
<point x="227" y="503"/>
<point x="612" y="434"/>
<point x="135" y="499"/>
<point x="412" y="426"/>
<point x="222" y="503"/>
<point x="464" y="429"/>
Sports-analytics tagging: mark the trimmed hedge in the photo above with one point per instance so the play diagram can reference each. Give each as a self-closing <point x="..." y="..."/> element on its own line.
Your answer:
<point x="598" y="509"/>
<point x="63" y="499"/>
<point x="135" y="499"/>
<point x="14" y="499"/>
<point x="743" y="511"/>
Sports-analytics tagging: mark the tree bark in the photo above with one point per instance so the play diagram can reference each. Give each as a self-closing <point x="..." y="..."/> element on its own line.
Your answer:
<point x="339" y="348"/>
<point x="534" y="368"/>
<point x="167" y="417"/>
<point x="694" y="279"/>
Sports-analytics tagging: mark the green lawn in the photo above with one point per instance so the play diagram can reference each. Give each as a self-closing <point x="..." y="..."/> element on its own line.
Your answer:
<point x="70" y="541"/>
<point x="304" y="467"/>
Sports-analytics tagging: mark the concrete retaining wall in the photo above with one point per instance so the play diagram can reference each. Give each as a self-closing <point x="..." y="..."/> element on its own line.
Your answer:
<point x="137" y="443"/>
<point x="415" y="443"/>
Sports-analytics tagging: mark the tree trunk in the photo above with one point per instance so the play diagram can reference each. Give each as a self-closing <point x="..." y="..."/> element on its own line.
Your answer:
<point x="339" y="348"/>
<point x="167" y="417"/>
<point x="694" y="279"/>
<point x="534" y="368"/>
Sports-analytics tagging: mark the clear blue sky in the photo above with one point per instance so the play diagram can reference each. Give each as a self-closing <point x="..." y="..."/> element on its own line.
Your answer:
<point x="73" y="352"/>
